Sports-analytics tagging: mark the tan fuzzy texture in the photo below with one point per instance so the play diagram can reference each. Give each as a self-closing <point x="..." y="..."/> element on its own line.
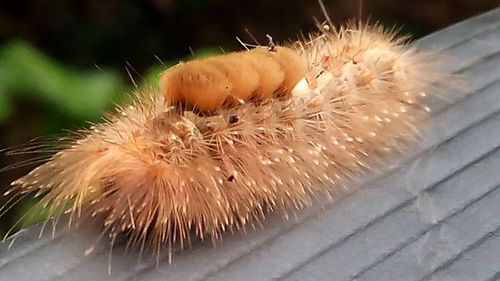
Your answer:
<point x="159" y="174"/>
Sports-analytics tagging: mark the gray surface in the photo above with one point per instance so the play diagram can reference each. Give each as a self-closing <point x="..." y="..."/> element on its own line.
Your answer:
<point x="433" y="215"/>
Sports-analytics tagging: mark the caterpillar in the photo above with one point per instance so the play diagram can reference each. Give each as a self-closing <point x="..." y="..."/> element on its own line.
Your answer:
<point x="183" y="158"/>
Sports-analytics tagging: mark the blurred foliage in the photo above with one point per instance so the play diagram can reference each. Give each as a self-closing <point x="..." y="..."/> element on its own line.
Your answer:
<point x="26" y="71"/>
<point x="64" y="63"/>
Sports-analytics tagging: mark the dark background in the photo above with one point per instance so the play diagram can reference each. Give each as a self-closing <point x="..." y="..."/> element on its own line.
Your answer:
<point x="63" y="63"/>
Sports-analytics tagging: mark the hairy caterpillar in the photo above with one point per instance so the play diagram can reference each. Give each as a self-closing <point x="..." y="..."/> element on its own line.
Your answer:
<point x="158" y="172"/>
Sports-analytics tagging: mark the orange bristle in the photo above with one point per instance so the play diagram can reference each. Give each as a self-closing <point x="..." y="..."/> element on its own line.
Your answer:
<point x="206" y="85"/>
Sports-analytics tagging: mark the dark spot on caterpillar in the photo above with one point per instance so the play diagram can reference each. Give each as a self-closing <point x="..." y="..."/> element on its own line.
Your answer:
<point x="233" y="119"/>
<point x="231" y="178"/>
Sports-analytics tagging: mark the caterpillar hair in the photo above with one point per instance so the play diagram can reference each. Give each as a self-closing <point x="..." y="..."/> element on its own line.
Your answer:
<point x="223" y="141"/>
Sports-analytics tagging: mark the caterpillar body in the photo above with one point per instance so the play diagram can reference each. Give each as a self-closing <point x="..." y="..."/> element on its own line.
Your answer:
<point x="313" y="116"/>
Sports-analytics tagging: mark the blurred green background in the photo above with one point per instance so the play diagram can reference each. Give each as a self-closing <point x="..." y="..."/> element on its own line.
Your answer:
<point x="64" y="63"/>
